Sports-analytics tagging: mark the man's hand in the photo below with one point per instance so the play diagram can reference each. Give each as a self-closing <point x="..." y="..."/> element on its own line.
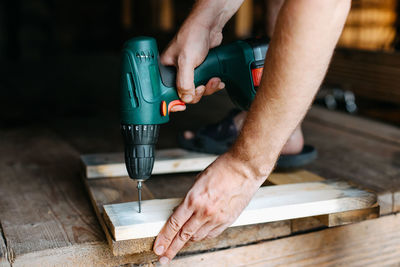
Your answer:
<point x="200" y="32"/>
<point x="188" y="50"/>
<point x="217" y="198"/>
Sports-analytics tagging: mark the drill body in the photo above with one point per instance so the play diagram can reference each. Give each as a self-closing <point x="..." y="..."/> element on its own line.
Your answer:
<point x="148" y="91"/>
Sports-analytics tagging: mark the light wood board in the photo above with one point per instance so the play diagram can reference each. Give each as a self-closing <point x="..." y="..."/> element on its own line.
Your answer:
<point x="166" y="161"/>
<point x="122" y="189"/>
<point x="271" y="203"/>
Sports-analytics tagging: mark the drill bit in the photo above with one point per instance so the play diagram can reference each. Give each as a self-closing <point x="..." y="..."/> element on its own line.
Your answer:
<point x="139" y="188"/>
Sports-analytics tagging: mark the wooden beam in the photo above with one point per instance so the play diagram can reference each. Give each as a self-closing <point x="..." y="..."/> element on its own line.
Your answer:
<point x="118" y="190"/>
<point x="329" y="220"/>
<point x="126" y="14"/>
<point x="271" y="203"/>
<point x="375" y="75"/>
<point x="167" y="161"/>
<point x="356" y="125"/>
<point x="3" y="251"/>
<point x="166" y="15"/>
<point x="369" y="243"/>
<point x="244" y="20"/>
<point x="351" y="216"/>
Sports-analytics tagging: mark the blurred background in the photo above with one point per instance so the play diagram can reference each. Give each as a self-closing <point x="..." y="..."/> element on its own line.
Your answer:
<point x="59" y="62"/>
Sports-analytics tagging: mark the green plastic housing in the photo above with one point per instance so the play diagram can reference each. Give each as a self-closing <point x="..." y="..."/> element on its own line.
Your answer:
<point x="143" y="90"/>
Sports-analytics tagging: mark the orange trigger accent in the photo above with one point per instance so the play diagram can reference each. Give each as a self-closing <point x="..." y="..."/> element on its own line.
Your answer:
<point x="175" y="103"/>
<point x="163" y="108"/>
<point x="257" y="74"/>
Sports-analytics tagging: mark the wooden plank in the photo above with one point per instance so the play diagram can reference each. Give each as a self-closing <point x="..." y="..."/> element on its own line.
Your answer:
<point x="108" y="191"/>
<point x="347" y="217"/>
<point x="3" y="251"/>
<point x="244" y="20"/>
<point x="165" y="187"/>
<point x="271" y="203"/>
<point x="369" y="243"/>
<point x="166" y="15"/>
<point x="167" y="161"/>
<point x="45" y="214"/>
<point x="329" y="220"/>
<point x="366" y="127"/>
<point x="396" y="200"/>
<point x="370" y="74"/>
<point x="358" y="150"/>
<point x="293" y="177"/>
<point x="43" y="179"/>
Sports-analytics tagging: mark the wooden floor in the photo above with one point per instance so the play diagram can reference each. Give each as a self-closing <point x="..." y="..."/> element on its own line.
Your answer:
<point x="46" y="217"/>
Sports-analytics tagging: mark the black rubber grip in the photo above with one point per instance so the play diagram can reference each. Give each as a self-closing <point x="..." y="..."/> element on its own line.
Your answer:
<point x="168" y="75"/>
<point x="140" y="143"/>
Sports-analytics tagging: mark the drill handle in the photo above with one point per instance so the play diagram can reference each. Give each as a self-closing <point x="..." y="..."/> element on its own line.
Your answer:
<point x="231" y="63"/>
<point x="208" y="69"/>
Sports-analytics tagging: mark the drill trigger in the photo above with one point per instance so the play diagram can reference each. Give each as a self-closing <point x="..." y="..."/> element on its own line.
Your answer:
<point x="175" y="103"/>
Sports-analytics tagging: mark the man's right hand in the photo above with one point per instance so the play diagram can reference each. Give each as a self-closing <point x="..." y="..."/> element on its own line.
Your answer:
<point x="186" y="51"/>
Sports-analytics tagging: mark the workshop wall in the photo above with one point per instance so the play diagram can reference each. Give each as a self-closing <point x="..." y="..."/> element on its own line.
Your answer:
<point x="61" y="58"/>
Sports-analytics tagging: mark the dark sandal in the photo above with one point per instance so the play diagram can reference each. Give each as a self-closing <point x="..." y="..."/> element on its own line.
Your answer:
<point x="218" y="138"/>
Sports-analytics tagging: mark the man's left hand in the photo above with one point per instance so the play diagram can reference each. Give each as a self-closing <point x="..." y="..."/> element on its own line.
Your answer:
<point x="216" y="199"/>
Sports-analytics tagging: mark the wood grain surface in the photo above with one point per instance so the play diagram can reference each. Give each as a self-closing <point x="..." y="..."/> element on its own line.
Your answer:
<point x="3" y="252"/>
<point x="371" y="74"/>
<point x="165" y="187"/>
<point x="45" y="214"/>
<point x="270" y="203"/>
<point x="369" y="243"/>
<point x="167" y="161"/>
<point x="362" y="151"/>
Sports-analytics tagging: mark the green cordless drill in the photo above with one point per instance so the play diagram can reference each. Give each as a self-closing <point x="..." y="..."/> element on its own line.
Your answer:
<point x="148" y="92"/>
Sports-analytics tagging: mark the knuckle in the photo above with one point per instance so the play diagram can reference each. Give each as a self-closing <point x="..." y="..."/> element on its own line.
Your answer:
<point x="191" y="200"/>
<point x="183" y="58"/>
<point x="174" y="224"/>
<point x="184" y="235"/>
<point x="209" y="212"/>
<point x="166" y="239"/>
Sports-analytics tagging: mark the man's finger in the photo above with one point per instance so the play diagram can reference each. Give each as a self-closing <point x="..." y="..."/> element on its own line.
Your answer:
<point x="171" y="228"/>
<point x="203" y="231"/>
<point x="184" y="235"/>
<point x="214" y="85"/>
<point x="168" y="57"/>
<point x="217" y="230"/>
<point x="177" y="108"/>
<point x="185" y="80"/>
<point x="199" y="91"/>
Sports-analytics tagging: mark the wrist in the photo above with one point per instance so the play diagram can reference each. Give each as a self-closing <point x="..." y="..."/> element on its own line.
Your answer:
<point x="208" y="13"/>
<point x="251" y="169"/>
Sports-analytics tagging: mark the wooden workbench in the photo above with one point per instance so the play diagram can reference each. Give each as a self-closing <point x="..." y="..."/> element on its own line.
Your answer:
<point x="46" y="217"/>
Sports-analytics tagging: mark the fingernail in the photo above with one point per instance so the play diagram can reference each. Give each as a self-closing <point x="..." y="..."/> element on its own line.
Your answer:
<point x="221" y="85"/>
<point x="187" y="98"/>
<point x="164" y="260"/>
<point x="159" y="250"/>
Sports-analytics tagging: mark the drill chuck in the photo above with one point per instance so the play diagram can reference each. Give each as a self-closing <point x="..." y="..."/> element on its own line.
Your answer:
<point x="140" y="143"/>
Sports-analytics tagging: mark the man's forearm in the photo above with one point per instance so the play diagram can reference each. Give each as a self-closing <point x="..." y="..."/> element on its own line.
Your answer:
<point x="213" y="14"/>
<point x="304" y="39"/>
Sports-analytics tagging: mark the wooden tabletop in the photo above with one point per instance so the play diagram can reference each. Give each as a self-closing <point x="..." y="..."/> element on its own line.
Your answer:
<point x="46" y="216"/>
